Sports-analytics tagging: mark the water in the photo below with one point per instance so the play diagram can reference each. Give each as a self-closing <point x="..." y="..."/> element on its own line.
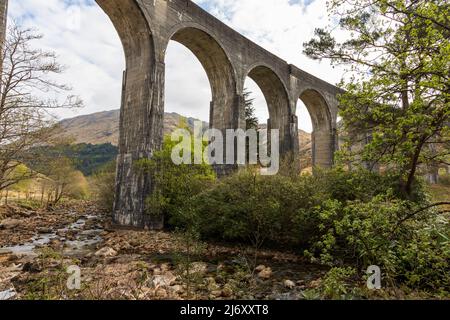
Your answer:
<point x="84" y="239"/>
<point x="7" y="294"/>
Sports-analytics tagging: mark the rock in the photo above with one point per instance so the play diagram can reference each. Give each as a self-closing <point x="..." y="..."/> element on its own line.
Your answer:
<point x="198" y="267"/>
<point x="32" y="267"/>
<point x="9" y="224"/>
<point x="227" y="291"/>
<point x="260" y="268"/>
<point x="216" y="293"/>
<point x="161" y="293"/>
<point x="213" y="287"/>
<point x="8" y="294"/>
<point x="165" y="280"/>
<point x="44" y="230"/>
<point x="315" y="283"/>
<point x="177" y="289"/>
<point x="106" y="252"/>
<point x="157" y="271"/>
<point x="61" y="233"/>
<point x="165" y="267"/>
<point x="27" y="214"/>
<point x="265" y="274"/>
<point x="5" y="252"/>
<point x="210" y="280"/>
<point x="289" y="284"/>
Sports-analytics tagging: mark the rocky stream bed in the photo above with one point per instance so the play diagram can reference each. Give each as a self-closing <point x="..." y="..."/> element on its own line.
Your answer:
<point x="37" y="247"/>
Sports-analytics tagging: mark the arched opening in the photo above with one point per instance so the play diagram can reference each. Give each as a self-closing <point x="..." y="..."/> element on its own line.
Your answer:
<point x="137" y="42"/>
<point x="305" y="132"/>
<point x="321" y="135"/>
<point x="187" y="93"/>
<point x="277" y="102"/>
<point x="255" y="99"/>
<point x="219" y="73"/>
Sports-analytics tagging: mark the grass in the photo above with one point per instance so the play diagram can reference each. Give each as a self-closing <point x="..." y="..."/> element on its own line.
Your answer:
<point x="440" y="193"/>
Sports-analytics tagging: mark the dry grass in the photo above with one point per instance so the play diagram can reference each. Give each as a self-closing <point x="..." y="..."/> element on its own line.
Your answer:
<point x="440" y="193"/>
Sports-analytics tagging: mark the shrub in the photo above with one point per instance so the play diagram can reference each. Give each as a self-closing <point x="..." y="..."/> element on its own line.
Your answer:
<point x="248" y="207"/>
<point x="409" y="245"/>
<point x="336" y="283"/>
<point x="175" y="185"/>
<point x="104" y="182"/>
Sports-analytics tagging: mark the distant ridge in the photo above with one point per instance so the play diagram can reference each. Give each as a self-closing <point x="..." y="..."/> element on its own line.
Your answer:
<point x="103" y="127"/>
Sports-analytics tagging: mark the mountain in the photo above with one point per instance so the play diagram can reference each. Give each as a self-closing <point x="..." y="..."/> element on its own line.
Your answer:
<point x="103" y="127"/>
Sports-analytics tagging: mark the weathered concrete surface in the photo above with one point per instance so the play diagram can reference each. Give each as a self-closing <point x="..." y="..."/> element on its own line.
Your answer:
<point x="145" y="28"/>
<point x="3" y="20"/>
<point x="3" y="13"/>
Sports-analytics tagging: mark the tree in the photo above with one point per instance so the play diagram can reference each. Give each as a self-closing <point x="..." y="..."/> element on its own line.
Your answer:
<point x="27" y="98"/>
<point x="176" y="184"/>
<point x="104" y="183"/>
<point x="398" y="54"/>
<point x="251" y="120"/>
<point x="62" y="180"/>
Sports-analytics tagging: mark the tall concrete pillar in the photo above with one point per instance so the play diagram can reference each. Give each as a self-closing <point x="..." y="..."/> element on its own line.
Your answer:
<point x="141" y="114"/>
<point x="3" y="22"/>
<point x="141" y="127"/>
<point x="3" y="19"/>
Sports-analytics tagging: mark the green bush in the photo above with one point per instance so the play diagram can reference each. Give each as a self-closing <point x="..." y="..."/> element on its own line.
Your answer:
<point x="250" y="207"/>
<point x="175" y="185"/>
<point x="410" y="245"/>
<point x="341" y="218"/>
<point x="336" y="284"/>
<point x="282" y="208"/>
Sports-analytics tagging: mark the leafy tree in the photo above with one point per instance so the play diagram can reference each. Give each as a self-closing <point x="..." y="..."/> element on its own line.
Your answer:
<point x="87" y="158"/>
<point x="63" y="180"/>
<point x="250" y="118"/>
<point x="104" y="182"/>
<point x="175" y="184"/>
<point x="398" y="54"/>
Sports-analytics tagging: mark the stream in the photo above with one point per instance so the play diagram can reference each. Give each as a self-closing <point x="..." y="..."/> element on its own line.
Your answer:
<point x="75" y="238"/>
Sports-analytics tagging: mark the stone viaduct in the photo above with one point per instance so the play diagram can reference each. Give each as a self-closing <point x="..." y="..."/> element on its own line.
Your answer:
<point x="145" y="28"/>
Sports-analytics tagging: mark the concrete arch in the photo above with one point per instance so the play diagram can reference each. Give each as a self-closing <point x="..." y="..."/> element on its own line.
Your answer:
<point x="322" y="135"/>
<point x="145" y="27"/>
<point x="277" y="99"/>
<point x="140" y="123"/>
<point x="218" y="67"/>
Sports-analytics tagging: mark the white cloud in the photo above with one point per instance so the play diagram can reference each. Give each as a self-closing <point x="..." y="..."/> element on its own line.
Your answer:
<point x="94" y="57"/>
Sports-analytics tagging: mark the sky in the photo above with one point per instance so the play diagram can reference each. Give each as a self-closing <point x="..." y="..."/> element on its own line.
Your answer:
<point x="86" y="43"/>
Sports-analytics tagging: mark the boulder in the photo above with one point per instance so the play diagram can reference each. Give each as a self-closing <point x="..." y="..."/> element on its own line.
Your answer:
<point x="260" y="268"/>
<point x="265" y="274"/>
<point x="227" y="291"/>
<point x="165" y="280"/>
<point x="106" y="252"/>
<point x="161" y="293"/>
<point x="289" y="284"/>
<point x="9" y="224"/>
<point x="177" y="289"/>
<point x="5" y="252"/>
<point x="44" y="230"/>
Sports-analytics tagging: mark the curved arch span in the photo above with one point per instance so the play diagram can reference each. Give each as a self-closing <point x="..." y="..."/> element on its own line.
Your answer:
<point x="219" y="70"/>
<point x="277" y="100"/>
<point x="322" y="136"/>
